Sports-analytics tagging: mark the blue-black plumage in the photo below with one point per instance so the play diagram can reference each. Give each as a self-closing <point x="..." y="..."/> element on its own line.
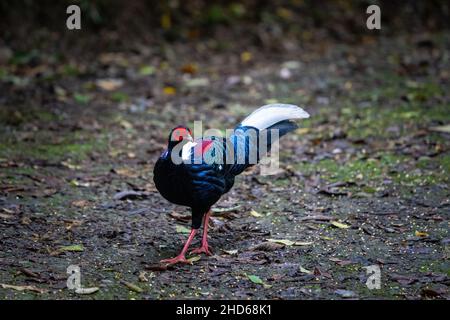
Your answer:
<point x="197" y="173"/>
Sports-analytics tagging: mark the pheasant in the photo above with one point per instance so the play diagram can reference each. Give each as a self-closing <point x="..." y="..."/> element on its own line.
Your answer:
<point x="196" y="173"/>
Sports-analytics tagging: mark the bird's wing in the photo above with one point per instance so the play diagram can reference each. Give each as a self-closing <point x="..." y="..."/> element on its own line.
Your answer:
<point x="208" y="150"/>
<point x="227" y="156"/>
<point x="206" y="185"/>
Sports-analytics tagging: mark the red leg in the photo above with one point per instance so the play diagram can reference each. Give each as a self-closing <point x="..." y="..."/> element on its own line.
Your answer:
<point x="204" y="247"/>
<point x="181" y="257"/>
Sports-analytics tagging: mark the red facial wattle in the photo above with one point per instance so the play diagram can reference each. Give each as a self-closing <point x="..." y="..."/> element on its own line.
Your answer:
<point x="179" y="134"/>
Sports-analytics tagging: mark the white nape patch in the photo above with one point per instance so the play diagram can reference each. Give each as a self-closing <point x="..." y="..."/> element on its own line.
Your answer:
<point x="186" y="151"/>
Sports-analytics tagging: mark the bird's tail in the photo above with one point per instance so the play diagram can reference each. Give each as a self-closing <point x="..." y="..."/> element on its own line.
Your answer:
<point x="267" y="118"/>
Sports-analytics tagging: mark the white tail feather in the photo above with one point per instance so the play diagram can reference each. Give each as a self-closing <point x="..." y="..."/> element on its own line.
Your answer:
<point x="270" y="114"/>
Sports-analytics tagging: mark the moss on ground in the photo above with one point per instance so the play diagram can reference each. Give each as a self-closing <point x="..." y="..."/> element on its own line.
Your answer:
<point x="71" y="146"/>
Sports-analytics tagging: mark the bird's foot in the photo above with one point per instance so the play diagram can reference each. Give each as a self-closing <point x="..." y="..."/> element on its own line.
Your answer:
<point x="203" y="249"/>
<point x="178" y="259"/>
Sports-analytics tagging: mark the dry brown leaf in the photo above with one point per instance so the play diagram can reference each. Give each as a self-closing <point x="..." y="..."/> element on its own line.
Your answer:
<point x="80" y="203"/>
<point x="421" y="234"/>
<point x="143" y="276"/>
<point x="132" y="286"/>
<point x="109" y="84"/>
<point x="126" y="172"/>
<point x="6" y="216"/>
<point x="189" y="68"/>
<point x="23" y="288"/>
<point x="72" y="223"/>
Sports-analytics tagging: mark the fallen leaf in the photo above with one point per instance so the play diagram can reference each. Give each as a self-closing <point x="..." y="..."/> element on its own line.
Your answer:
<point x="197" y="82"/>
<point x="282" y="241"/>
<point x="169" y="91"/>
<point x="71" y="248"/>
<point x="292" y="64"/>
<point x="231" y="252"/>
<point x="255" y="279"/>
<point x="421" y="234"/>
<point x="76" y="183"/>
<point x="86" y="290"/>
<point x="194" y="259"/>
<point x="72" y="223"/>
<point x="180" y="217"/>
<point x="345" y="293"/>
<point x="445" y="129"/>
<point x="6" y="216"/>
<point x="129" y="194"/>
<point x="189" y="68"/>
<point x="80" y="203"/>
<point x="142" y="276"/>
<point x="302" y="130"/>
<point x="255" y="214"/>
<point x="303" y="270"/>
<point x="182" y="229"/>
<point x="146" y="70"/>
<point x="125" y="124"/>
<point x="109" y="84"/>
<point x="23" y="288"/>
<point x="339" y="225"/>
<point x="287" y="242"/>
<point x="126" y="172"/>
<point x="25" y="220"/>
<point x="75" y="247"/>
<point x="132" y="286"/>
<point x="120" y="97"/>
<point x="81" y="98"/>
<point x="303" y="243"/>
<point x="246" y="56"/>
<point x="166" y="21"/>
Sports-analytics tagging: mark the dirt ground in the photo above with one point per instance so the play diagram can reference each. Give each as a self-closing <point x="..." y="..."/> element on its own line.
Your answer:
<point x="364" y="181"/>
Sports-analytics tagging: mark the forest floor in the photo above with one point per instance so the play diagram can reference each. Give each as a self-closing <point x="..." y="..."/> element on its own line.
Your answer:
<point x="365" y="181"/>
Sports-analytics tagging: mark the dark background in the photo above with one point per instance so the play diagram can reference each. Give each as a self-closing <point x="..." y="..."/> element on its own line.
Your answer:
<point x="120" y="21"/>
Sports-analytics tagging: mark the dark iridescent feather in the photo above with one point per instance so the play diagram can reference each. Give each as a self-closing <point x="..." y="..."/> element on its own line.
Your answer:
<point x="214" y="162"/>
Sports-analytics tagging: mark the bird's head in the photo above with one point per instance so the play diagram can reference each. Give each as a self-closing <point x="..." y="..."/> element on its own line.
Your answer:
<point x="178" y="135"/>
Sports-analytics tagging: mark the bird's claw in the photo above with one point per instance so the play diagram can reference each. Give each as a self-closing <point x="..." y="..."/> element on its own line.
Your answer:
<point x="203" y="249"/>
<point x="177" y="259"/>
